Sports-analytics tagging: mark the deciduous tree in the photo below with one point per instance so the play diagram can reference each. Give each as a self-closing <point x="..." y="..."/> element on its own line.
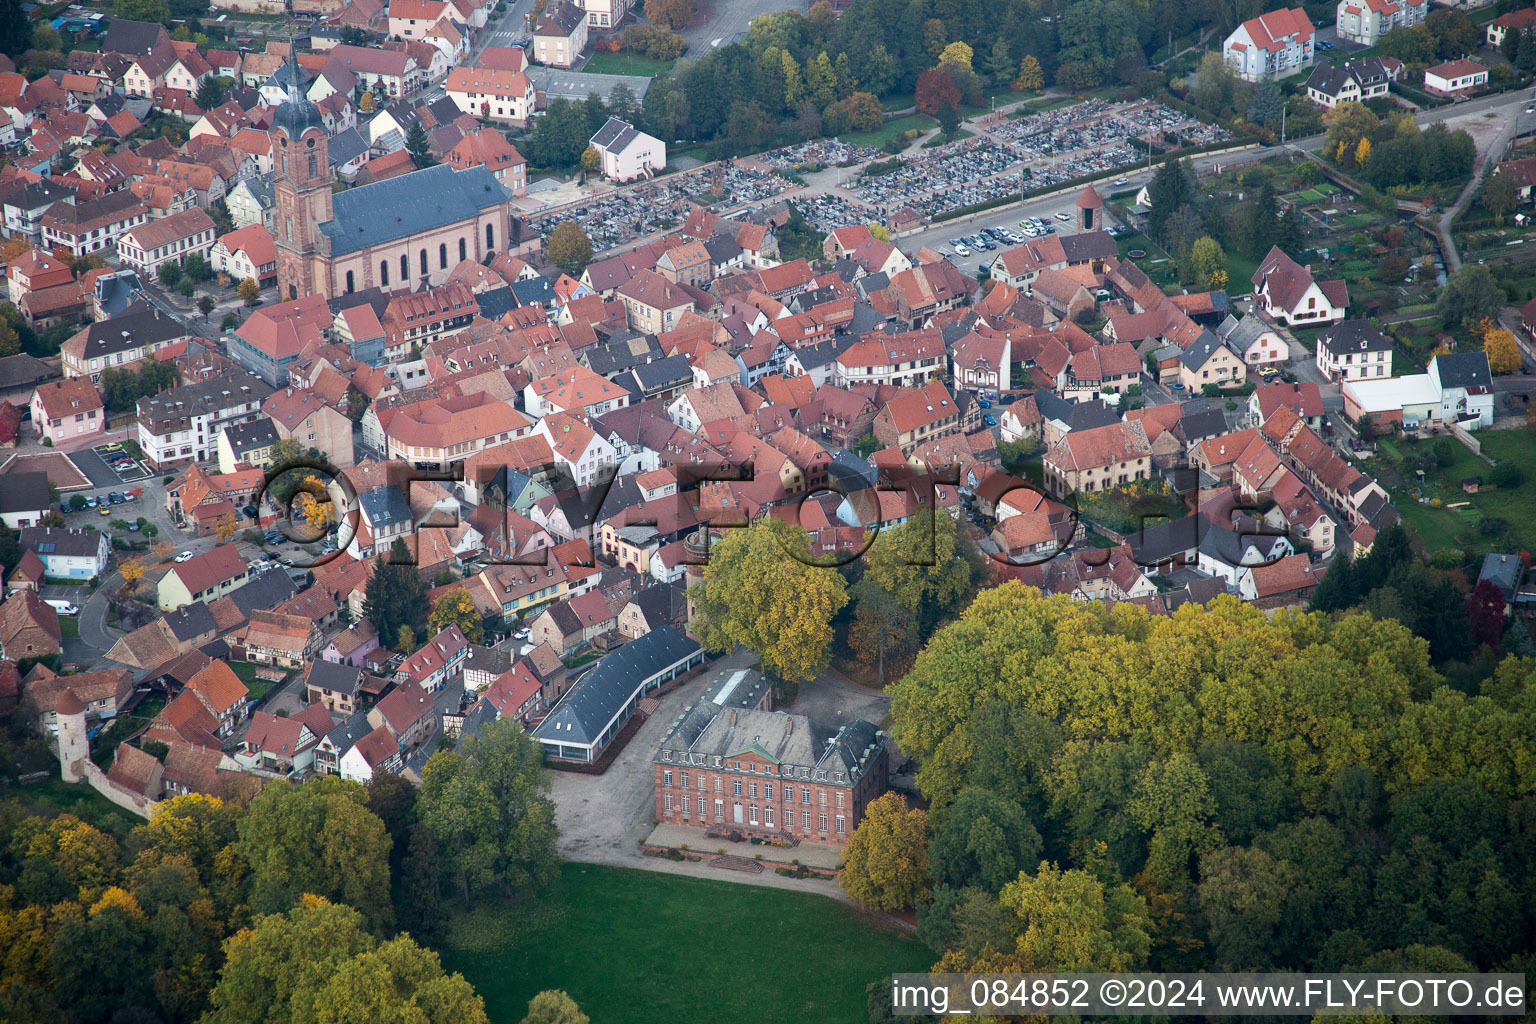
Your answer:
<point x="1503" y="351"/>
<point x="759" y="590"/>
<point x="935" y="87"/>
<point x="317" y="838"/>
<point x="554" y="1006"/>
<point x="569" y="248"/>
<point x="1071" y="921"/>
<point x="457" y="608"/>
<point x="1031" y="77"/>
<point x="885" y="865"/>
<point x="487" y="805"/>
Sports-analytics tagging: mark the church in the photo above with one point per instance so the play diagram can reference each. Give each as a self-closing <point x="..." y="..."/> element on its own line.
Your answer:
<point x="396" y="235"/>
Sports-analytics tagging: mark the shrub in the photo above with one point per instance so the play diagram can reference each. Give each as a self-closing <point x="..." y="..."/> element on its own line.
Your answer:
<point x="1506" y="474"/>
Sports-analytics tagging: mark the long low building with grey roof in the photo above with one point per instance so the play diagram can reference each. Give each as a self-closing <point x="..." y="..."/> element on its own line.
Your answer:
<point x="595" y="710"/>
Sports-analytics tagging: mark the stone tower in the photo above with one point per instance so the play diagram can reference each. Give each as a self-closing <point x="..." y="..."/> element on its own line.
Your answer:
<point x="301" y="189"/>
<point x="1090" y="210"/>
<point x="74" y="743"/>
<point x="696" y="553"/>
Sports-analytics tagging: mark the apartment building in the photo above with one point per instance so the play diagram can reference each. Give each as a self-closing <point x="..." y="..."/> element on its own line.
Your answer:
<point x="183" y="424"/>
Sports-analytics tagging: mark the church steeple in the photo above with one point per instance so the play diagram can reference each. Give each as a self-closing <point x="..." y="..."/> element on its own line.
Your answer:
<point x="301" y="184"/>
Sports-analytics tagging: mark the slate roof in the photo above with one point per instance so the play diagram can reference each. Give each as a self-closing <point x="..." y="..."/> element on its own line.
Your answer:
<point x="384" y="506"/>
<point x="333" y="676"/>
<point x="588" y="707"/>
<point x="1465" y="370"/>
<point x="410" y="204"/>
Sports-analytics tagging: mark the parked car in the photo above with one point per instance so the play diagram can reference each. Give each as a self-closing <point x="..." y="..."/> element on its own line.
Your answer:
<point x="983" y="403"/>
<point x="1122" y="181"/>
<point x="961" y="250"/>
<point x="61" y="606"/>
<point x="185" y="556"/>
<point x="989" y="420"/>
<point x="116" y="498"/>
<point x="90" y="501"/>
<point x="1063" y="216"/>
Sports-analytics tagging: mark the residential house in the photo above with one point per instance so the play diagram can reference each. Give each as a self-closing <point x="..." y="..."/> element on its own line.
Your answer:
<point x="170" y="239"/>
<point x="67" y="410"/>
<point x="1367" y="21"/>
<point x="437" y="661"/>
<point x="626" y="153"/>
<point x="1354" y="350"/>
<point x="1270" y="46"/>
<point x="1286" y="291"/>
<point x="29" y="627"/>
<point x="277" y="638"/>
<point x="560" y="36"/>
<point x="67" y="554"/>
<point x="183" y="424"/>
<point x="916" y="417"/>
<point x="1209" y="360"/>
<point x="24" y="499"/>
<point x="137" y="333"/>
<point x="408" y="713"/>
<point x="248" y="252"/>
<point x="492" y="93"/>
<point x="203" y="578"/>
<point x="1455" y="76"/>
<point x="336" y="685"/>
<point x="283" y="746"/>
<point x="301" y="415"/>
<point x="1098" y="459"/>
<point x="1354" y="81"/>
<point x="566" y="625"/>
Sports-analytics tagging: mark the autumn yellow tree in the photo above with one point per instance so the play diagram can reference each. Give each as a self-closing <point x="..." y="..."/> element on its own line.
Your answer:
<point x="1502" y="350"/>
<point x="457" y="608"/>
<point x="957" y="56"/>
<point x="885" y="865"/>
<point x="1031" y="76"/>
<point x="162" y="550"/>
<point x="224" y="526"/>
<point x="132" y="572"/>
<point x="1362" y="152"/>
<point x="13" y="248"/>
<point x="250" y="291"/>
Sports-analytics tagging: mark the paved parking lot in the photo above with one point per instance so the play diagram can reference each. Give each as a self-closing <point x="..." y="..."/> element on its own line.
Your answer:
<point x="722" y="20"/>
<point x="95" y="464"/>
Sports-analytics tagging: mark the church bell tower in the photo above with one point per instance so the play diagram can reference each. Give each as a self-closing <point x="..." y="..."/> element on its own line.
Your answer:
<point x="301" y="190"/>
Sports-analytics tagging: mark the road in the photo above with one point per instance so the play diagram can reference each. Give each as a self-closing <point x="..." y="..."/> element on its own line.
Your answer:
<point x="1513" y="127"/>
<point x="720" y="21"/>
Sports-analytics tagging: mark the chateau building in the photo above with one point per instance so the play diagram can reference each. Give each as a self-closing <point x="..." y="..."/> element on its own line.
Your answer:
<point x="766" y="774"/>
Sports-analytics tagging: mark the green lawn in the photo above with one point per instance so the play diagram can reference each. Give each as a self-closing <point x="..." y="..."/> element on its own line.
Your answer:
<point x="625" y="64"/>
<point x="69" y="627"/>
<point x="55" y="796"/>
<point x="888" y="131"/>
<point x="638" y="947"/>
<point x="1457" y="528"/>
<point x="247" y="672"/>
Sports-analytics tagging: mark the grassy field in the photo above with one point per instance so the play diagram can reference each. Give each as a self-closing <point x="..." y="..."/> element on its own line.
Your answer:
<point x="888" y="131"/>
<point x="625" y="64"/>
<point x="69" y="627"/>
<point x="637" y="947"/>
<point x="1435" y="528"/>
<point x="55" y="796"/>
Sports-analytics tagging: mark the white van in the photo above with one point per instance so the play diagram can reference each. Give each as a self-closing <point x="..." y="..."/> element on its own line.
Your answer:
<point x="61" y="606"/>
